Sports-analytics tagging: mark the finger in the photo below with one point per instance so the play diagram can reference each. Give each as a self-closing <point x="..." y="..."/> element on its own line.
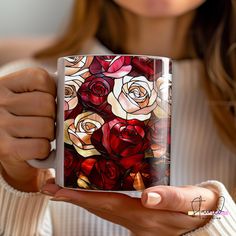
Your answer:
<point x="105" y="202"/>
<point x="32" y="104"/>
<point x="142" y="222"/>
<point x="29" y="80"/>
<point x="180" y="199"/>
<point x="31" y="127"/>
<point x="50" y="188"/>
<point x="28" y="149"/>
<point x="50" y="181"/>
<point x="117" y="208"/>
<point x="121" y="209"/>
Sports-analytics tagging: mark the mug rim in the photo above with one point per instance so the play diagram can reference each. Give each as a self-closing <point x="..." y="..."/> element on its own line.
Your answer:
<point x="116" y="54"/>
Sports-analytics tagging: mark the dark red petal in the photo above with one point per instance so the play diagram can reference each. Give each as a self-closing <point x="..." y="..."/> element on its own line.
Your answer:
<point x="87" y="165"/>
<point x="116" y="65"/>
<point x="131" y="150"/>
<point x="94" y="99"/>
<point x="116" y="144"/>
<point x="127" y="60"/>
<point x="143" y="66"/>
<point x="106" y="137"/>
<point x="132" y="160"/>
<point x="105" y="61"/>
<point x="140" y="131"/>
<point x="95" y="67"/>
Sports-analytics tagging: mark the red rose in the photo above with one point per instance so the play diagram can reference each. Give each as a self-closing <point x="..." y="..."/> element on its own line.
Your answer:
<point x="138" y="177"/>
<point x="121" y="138"/>
<point x="149" y="172"/>
<point x="147" y="67"/>
<point x="111" y="66"/>
<point x="73" y="113"/>
<point x="101" y="173"/>
<point x="71" y="166"/>
<point x="93" y="94"/>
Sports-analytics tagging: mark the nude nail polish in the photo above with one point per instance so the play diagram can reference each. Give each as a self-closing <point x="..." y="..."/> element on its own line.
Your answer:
<point x="153" y="199"/>
<point x="60" y="199"/>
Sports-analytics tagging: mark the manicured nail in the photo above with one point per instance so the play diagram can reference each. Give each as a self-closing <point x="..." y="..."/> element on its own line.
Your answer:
<point x="153" y="199"/>
<point x="60" y="199"/>
<point x="46" y="192"/>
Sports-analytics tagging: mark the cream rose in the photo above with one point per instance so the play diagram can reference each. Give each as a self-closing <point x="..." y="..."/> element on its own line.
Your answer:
<point x="78" y="66"/>
<point x="71" y="89"/>
<point x="133" y="98"/>
<point x="78" y="132"/>
<point x="76" y="71"/>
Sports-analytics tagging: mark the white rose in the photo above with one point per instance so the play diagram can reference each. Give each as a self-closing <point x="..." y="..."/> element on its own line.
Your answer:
<point x="78" y="66"/>
<point x="78" y="132"/>
<point x="71" y="89"/>
<point x="133" y="98"/>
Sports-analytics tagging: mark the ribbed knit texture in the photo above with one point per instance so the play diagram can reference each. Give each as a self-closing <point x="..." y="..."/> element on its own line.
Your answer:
<point x="197" y="155"/>
<point x="197" y="151"/>
<point x="23" y="214"/>
<point x="75" y="221"/>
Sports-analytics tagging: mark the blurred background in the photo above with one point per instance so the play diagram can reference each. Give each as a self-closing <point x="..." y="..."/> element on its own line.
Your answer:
<point x="29" y="25"/>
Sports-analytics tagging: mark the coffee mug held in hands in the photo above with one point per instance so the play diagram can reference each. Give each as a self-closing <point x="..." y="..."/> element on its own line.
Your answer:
<point x="113" y="123"/>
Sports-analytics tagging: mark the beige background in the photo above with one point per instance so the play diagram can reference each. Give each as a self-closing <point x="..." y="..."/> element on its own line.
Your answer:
<point x="28" y="25"/>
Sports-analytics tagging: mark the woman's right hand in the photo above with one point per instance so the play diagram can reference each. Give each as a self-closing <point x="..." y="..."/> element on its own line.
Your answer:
<point x="27" y="120"/>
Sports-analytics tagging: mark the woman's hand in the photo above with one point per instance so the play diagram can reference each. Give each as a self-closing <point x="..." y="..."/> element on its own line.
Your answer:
<point x="27" y="112"/>
<point x="162" y="210"/>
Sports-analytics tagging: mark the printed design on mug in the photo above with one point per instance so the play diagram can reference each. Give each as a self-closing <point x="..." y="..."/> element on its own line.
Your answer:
<point x="117" y="122"/>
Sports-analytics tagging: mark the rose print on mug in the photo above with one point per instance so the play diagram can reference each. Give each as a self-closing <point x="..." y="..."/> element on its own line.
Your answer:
<point x="111" y="66"/>
<point x="121" y="138"/>
<point x="93" y="94"/>
<point x="101" y="173"/>
<point x="80" y="130"/>
<point x="117" y="122"/>
<point x="133" y="98"/>
<point x="71" y="89"/>
<point x="75" y="67"/>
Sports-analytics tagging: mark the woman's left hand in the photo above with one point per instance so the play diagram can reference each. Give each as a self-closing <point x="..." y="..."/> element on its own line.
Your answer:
<point x="162" y="210"/>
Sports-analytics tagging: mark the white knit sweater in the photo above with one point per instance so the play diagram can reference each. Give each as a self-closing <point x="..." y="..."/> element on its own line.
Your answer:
<point x="197" y="156"/>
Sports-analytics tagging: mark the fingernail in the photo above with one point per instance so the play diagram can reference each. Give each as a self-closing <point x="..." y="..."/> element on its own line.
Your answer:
<point x="46" y="192"/>
<point x="57" y="199"/>
<point x="153" y="199"/>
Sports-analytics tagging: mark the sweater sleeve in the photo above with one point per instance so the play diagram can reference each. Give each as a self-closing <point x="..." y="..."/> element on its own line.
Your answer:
<point x="220" y="225"/>
<point x="23" y="213"/>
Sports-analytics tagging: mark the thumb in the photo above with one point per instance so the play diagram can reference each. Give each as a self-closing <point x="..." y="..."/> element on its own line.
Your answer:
<point x="180" y="199"/>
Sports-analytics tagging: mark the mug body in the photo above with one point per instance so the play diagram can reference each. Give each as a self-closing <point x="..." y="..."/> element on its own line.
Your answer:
<point x="114" y="120"/>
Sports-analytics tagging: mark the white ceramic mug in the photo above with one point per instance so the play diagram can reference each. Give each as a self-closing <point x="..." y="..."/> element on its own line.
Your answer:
<point x="113" y="122"/>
